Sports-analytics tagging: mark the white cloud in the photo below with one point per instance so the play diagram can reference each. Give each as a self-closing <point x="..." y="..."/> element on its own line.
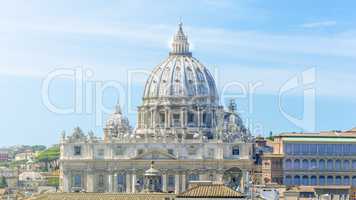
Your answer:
<point x="227" y="43"/>
<point x="319" y="24"/>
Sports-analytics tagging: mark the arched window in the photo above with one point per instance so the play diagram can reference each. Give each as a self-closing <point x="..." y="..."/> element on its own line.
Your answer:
<point x="313" y="164"/>
<point x="338" y="180"/>
<point x="330" y="180"/>
<point x="322" y="180"/>
<point x="346" y="180"/>
<point x="330" y="165"/>
<point x="305" y="164"/>
<point x="296" y="164"/>
<point x="305" y="180"/>
<point x="353" y="181"/>
<point x="322" y="165"/>
<point x="296" y="180"/>
<point x="338" y="165"/>
<point x="313" y="180"/>
<point x="346" y="165"/>
<point x="288" y="164"/>
<point x="288" y="180"/>
<point x="354" y="164"/>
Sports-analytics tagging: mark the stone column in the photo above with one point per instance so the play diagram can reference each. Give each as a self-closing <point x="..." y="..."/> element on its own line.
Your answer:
<point x="166" y="119"/>
<point x="164" y="182"/>
<point x="177" y="184"/>
<point x="184" y="182"/>
<point x="169" y="118"/>
<point x="242" y="182"/>
<point x="151" y="115"/>
<point x="219" y="177"/>
<point x="128" y="183"/>
<point x="66" y="181"/>
<point x="199" y="120"/>
<point x="115" y="189"/>
<point x="133" y="190"/>
<point x="182" y="118"/>
<point x="90" y="182"/>
<point x="110" y="182"/>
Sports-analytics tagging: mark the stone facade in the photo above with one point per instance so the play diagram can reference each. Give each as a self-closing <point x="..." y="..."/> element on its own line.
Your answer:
<point x="181" y="127"/>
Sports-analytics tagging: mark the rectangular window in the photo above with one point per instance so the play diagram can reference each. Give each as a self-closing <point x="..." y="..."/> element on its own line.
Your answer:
<point x="171" y="181"/>
<point x="235" y="151"/>
<point x="176" y="120"/>
<point x="171" y="151"/>
<point x="77" y="181"/>
<point x="77" y="150"/>
<point x="162" y="119"/>
<point x="101" y="152"/>
<point x="190" y="118"/>
<point x="139" y="151"/>
<point x="119" y="150"/>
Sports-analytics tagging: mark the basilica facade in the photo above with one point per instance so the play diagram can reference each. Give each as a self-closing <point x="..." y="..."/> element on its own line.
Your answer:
<point x="181" y="127"/>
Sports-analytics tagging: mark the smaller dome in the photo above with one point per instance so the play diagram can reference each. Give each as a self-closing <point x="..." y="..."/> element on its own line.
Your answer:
<point x="118" y="123"/>
<point x="233" y="125"/>
<point x="152" y="171"/>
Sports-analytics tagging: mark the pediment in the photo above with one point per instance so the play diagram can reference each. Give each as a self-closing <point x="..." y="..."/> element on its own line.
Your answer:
<point x="155" y="155"/>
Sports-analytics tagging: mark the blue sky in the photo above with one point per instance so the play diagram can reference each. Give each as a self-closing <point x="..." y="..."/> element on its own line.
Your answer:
<point x="244" y="42"/>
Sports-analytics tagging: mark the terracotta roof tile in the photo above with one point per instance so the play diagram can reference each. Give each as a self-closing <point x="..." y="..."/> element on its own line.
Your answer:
<point x="216" y="190"/>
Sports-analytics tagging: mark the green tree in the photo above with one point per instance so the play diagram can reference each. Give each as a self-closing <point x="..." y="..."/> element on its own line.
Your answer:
<point x="38" y="148"/>
<point x="3" y="183"/>
<point x="48" y="155"/>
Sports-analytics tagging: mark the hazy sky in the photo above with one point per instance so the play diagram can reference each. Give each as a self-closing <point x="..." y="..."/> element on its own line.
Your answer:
<point x="266" y="44"/>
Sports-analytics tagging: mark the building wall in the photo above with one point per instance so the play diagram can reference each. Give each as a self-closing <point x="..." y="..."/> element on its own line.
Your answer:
<point x="315" y="163"/>
<point x="118" y="166"/>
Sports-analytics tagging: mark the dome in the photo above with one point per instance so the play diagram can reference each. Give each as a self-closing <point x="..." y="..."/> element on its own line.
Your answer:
<point x="233" y="124"/>
<point x="118" y="123"/>
<point x="180" y="75"/>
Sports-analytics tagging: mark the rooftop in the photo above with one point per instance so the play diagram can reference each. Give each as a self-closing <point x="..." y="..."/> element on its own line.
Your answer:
<point x="210" y="191"/>
<point x="104" y="196"/>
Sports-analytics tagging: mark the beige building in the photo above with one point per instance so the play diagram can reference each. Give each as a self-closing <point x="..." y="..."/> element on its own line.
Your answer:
<point x="324" y="163"/>
<point x="181" y="126"/>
